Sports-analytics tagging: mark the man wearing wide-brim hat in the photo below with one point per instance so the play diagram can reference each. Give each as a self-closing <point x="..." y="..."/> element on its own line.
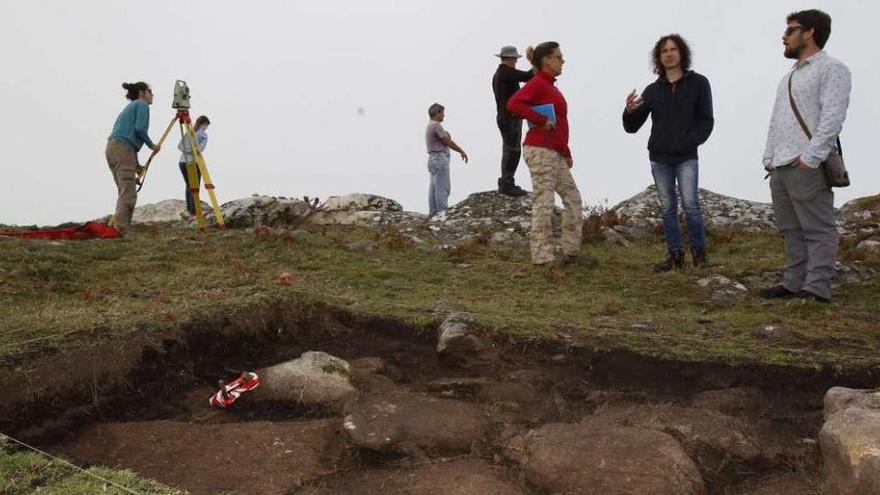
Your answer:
<point x="505" y="83"/>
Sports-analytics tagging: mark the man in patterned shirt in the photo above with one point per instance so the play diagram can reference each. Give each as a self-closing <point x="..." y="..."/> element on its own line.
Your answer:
<point x="802" y="199"/>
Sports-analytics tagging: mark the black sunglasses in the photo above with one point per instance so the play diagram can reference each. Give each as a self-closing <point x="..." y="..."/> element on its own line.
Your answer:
<point x="791" y="29"/>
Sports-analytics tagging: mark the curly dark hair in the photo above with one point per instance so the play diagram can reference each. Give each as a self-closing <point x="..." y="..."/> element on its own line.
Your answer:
<point x="814" y="19"/>
<point x="683" y="49"/>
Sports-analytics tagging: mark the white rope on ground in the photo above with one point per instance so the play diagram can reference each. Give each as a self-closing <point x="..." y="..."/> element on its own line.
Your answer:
<point x="532" y="321"/>
<point x="71" y="465"/>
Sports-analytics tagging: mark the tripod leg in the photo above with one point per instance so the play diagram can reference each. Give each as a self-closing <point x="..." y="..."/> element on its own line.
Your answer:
<point x="141" y="176"/>
<point x="194" y="185"/>
<point x="209" y="185"/>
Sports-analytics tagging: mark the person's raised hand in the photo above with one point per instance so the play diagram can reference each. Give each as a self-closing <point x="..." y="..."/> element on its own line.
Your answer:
<point x="633" y="102"/>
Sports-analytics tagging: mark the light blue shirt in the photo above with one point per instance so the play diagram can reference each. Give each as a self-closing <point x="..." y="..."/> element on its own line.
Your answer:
<point x="201" y="142"/>
<point x="132" y="124"/>
<point x="820" y="86"/>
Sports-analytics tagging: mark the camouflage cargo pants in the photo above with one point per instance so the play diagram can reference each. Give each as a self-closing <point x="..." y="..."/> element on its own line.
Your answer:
<point x="550" y="175"/>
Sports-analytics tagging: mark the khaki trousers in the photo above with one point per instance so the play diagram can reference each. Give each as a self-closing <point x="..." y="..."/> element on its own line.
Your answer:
<point x="550" y="175"/>
<point x="122" y="160"/>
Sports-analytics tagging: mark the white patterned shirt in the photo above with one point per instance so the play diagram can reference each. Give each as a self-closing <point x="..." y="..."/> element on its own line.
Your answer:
<point x="820" y="86"/>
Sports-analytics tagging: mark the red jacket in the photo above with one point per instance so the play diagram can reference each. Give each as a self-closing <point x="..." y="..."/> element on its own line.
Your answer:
<point x="541" y="90"/>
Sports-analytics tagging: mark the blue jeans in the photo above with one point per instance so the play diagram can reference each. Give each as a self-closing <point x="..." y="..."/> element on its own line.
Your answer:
<point x="190" y="204"/>
<point x="438" y="190"/>
<point x="686" y="174"/>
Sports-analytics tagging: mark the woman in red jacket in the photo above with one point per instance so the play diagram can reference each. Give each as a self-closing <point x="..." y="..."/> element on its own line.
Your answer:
<point x="547" y="155"/>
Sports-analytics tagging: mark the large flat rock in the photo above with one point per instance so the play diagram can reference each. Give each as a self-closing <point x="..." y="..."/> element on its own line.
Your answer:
<point x="403" y="421"/>
<point x="593" y="458"/>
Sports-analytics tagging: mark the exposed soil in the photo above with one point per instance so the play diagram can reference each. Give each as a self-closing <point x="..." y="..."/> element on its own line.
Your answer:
<point x="147" y="410"/>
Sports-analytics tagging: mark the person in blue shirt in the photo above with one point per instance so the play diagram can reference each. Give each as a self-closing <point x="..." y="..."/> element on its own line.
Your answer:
<point x="186" y="156"/>
<point x="130" y="133"/>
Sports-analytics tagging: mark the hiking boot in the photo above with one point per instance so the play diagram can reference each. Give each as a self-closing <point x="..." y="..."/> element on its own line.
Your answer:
<point x="809" y="296"/>
<point x="675" y="260"/>
<point x="513" y="191"/>
<point x="776" y="292"/>
<point x="699" y="255"/>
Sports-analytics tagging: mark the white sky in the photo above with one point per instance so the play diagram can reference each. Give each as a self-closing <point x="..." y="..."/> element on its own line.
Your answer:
<point x="282" y="82"/>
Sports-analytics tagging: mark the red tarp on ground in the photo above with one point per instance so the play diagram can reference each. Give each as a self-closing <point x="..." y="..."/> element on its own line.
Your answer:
<point x="90" y="230"/>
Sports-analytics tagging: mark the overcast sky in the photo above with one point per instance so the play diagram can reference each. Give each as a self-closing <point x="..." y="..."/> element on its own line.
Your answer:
<point x="283" y="81"/>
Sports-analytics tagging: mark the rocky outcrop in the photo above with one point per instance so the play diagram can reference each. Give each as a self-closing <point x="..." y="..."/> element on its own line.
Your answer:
<point x="257" y="210"/>
<point x="859" y="210"/>
<point x="168" y="210"/>
<point x="850" y="442"/>
<point x="642" y="212"/>
<point x="367" y="210"/>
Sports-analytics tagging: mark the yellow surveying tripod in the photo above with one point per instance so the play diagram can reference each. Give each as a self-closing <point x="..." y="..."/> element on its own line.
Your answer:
<point x="195" y="160"/>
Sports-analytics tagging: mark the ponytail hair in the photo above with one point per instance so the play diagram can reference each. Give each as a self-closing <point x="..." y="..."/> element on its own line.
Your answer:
<point x="202" y="120"/>
<point x="535" y="55"/>
<point x="133" y="90"/>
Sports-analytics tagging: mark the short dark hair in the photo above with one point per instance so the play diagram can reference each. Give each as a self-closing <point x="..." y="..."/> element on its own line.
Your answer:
<point x="814" y="19"/>
<point x="133" y="90"/>
<point x="683" y="49"/>
<point x="536" y="55"/>
<point x="202" y="120"/>
<point x="434" y="109"/>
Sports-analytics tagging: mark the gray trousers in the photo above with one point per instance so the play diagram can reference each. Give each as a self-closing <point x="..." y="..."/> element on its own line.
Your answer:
<point x="804" y="207"/>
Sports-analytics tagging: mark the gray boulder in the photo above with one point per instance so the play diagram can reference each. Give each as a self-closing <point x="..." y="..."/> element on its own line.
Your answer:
<point x="315" y="378"/>
<point x="368" y="210"/>
<point x="455" y="335"/>
<point x="168" y="210"/>
<point x="861" y="209"/>
<point x="642" y="212"/>
<point x="869" y="245"/>
<point x="360" y="202"/>
<point x="724" y="290"/>
<point x="263" y="210"/>
<point x="591" y="458"/>
<point x="850" y="442"/>
<point x="402" y="421"/>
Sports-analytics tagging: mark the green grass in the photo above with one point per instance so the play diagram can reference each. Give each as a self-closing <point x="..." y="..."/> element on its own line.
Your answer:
<point x="58" y="296"/>
<point x="65" y="295"/>
<point x="27" y="473"/>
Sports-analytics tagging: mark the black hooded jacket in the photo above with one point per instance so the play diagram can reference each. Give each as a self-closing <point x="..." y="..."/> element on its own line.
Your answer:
<point x="681" y="117"/>
<point x="505" y="83"/>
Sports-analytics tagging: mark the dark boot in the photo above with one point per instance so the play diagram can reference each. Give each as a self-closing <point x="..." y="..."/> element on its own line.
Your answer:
<point x="700" y="259"/>
<point x="675" y="260"/>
